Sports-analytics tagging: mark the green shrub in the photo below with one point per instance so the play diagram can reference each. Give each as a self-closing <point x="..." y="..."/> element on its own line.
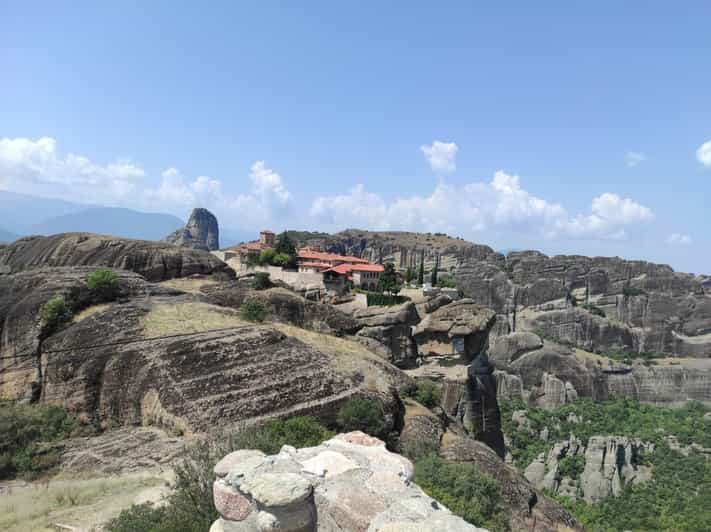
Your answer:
<point x="571" y="466"/>
<point x="54" y="314"/>
<point x="300" y="431"/>
<point x="261" y="281"/>
<point x="254" y="310"/>
<point x="140" y="517"/>
<point x="190" y="506"/>
<point x="592" y="309"/>
<point x="388" y="300"/>
<point x="447" y="282"/>
<point x="104" y="285"/>
<point x="362" y="414"/>
<point x="629" y="291"/>
<point x="464" y="489"/>
<point x="23" y="430"/>
<point x="425" y="392"/>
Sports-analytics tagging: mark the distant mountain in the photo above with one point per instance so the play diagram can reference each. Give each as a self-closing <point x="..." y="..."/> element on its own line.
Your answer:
<point x="19" y="212"/>
<point x="111" y="221"/>
<point x="231" y="237"/>
<point x="7" y="236"/>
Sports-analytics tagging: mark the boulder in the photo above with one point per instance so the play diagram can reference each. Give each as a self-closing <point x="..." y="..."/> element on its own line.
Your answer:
<point x="350" y="482"/>
<point x="388" y="331"/>
<point x="201" y="232"/>
<point x="459" y="329"/>
<point x="505" y="349"/>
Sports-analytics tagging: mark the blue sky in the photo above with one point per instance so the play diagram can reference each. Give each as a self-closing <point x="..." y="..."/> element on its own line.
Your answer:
<point x="570" y="127"/>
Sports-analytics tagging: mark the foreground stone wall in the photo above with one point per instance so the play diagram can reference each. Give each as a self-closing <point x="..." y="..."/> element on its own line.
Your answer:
<point x="348" y="483"/>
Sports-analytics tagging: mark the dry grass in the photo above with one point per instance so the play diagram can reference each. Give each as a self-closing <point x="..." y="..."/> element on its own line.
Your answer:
<point x="80" y="503"/>
<point x="171" y="318"/>
<point x="350" y="357"/>
<point x="187" y="284"/>
<point x="84" y="314"/>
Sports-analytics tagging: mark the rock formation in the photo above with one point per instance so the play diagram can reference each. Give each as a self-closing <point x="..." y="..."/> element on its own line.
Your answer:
<point x="201" y="232"/>
<point x="348" y="483"/>
<point x="154" y="261"/>
<point x="388" y="331"/>
<point x="610" y="462"/>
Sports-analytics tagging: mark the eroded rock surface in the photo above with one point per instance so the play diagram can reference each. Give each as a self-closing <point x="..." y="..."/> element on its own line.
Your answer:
<point x="153" y="260"/>
<point x="348" y="483"/>
<point x="201" y="232"/>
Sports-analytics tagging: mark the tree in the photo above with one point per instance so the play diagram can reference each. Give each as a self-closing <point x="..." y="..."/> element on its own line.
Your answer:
<point x="433" y="278"/>
<point x="285" y="245"/>
<point x="104" y="285"/>
<point x="388" y="279"/>
<point x="421" y="273"/>
<point x="409" y="275"/>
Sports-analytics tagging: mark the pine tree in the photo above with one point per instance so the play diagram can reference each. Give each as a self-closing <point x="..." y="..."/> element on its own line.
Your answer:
<point x="421" y="273"/>
<point x="433" y="278"/>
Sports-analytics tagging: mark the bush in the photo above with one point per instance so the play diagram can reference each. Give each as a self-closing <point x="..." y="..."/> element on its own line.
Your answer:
<point x="254" y="310"/>
<point x="190" y="506"/>
<point x="592" y="309"/>
<point x="261" y="281"/>
<point x="104" y="285"/>
<point x="629" y="291"/>
<point x="388" y="300"/>
<point x="54" y="314"/>
<point x="425" y="392"/>
<point x="571" y="466"/>
<point x="362" y="414"/>
<point x="447" y="282"/>
<point x="464" y="489"/>
<point x="23" y="430"/>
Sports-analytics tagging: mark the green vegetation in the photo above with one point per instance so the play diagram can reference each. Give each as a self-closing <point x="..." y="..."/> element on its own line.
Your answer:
<point x="619" y="417"/>
<point x="421" y="271"/>
<point x="362" y="414"/>
<point x="254" y="309"/>
<point x="425" y="392"/>
<point x="627" y="357"/>
<point x="388" y="280"/>
<point x="629" y="291"/>
<point x="386" y="300"/>
<point x="261" y="281"/>
<point x="592" y="309"/>
<point x="464" y="489"/>
<point x="55" y="313"/>
<point x="190" y="506"/>
<point x="433" y="275"/>
<point x="104" y="285"/>
<point x="447" y="282"/>
<point x="678" y="497"/>
<point x="409" y="275"/>
<point x="571" y="466"/>
<point x="284" y="245"/>
<point x="271" y="257"/>
<point x="23" y="430"/>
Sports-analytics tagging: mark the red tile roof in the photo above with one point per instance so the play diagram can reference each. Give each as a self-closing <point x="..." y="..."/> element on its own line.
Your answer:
<point x="367" y="268"/>
<point x="302" y="254"/>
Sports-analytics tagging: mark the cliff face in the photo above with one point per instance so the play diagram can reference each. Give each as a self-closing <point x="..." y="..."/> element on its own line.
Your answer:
<point x="201" y="232"/>
<point x="633" y="306"/>
<point x="153" y="260"/>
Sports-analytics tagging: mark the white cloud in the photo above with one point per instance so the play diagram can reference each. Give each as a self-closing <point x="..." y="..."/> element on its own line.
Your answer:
<point x="501" y="204"/>
<point x="31" y="166"/>
<point x="441" y="156"/>
<point x="703" y="154"/>
<point x="679" y="239"/>
<point x="634" y="158"/>
<point x="174" y="192"/>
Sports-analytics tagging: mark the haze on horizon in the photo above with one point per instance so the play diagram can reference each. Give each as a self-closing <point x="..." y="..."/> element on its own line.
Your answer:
<point x="566" y="128"/>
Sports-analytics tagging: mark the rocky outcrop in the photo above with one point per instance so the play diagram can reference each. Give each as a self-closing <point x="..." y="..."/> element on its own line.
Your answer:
<point x="528" y="508"/>
<point x="388" y="331"/>
<point x="22" y="296"/>
<point x="176" y="362"/>
<point x="459" y="329"/>
<point x="201" y="232"/>
<point x="610" y="462"/>
<point x="350" y="482"/>
<point x="503" y="350"/>
<point x="154" y="261"/>
<point x="285" y="305"/>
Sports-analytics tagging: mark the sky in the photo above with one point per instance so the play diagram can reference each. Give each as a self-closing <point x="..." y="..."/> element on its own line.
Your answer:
<point x="564" y="126"/>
